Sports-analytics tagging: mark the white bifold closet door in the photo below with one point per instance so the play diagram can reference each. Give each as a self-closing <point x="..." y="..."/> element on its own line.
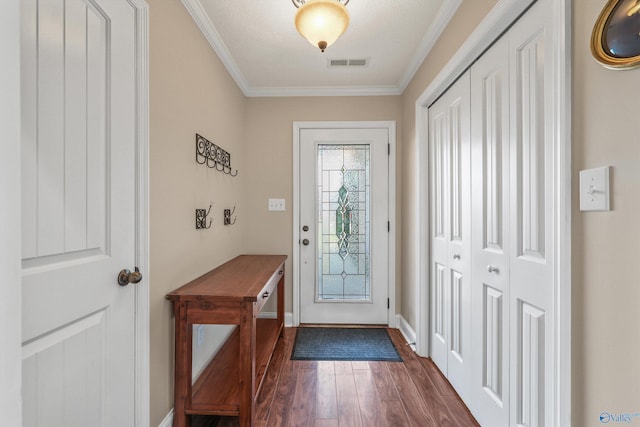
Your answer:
<point x="489" y="400"/>
<point x="491" y="149"/>
<point x="449" y="127"/>
<point x="512" y="160"/>
<point x="532" y="221"/>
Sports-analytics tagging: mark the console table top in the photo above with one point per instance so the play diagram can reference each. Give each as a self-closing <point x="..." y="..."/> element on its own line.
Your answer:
<point x="239" y="279"/>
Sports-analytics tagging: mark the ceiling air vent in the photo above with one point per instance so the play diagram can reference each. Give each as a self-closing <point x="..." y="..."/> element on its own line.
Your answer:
<point x="348" y="63"/>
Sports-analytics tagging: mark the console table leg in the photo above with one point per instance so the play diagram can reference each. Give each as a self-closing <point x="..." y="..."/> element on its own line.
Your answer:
<point x="183" y="332"/>
<point x="247" y="366"/>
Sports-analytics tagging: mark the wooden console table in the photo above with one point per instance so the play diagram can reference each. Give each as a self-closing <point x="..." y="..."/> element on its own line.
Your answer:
<point x="231" y="294"/>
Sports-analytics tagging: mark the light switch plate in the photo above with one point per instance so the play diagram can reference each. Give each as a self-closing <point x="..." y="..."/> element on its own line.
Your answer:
<point x="594" y="189"/>
<point x="276" y="205"/>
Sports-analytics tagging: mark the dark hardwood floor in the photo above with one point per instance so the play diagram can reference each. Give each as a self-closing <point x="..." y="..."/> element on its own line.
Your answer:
<point x="353" y="394"/>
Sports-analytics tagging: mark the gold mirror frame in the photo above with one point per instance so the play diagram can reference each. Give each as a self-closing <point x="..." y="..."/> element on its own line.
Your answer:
<point x="597" y="40"/>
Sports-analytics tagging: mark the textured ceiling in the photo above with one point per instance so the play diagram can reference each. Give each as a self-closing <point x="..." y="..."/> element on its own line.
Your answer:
<point x="259" y="45"/>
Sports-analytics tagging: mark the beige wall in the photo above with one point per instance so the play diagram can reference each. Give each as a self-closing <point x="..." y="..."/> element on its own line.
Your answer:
<point x="269" y="159"/>
<point x="190" y="91"/>
<point x="606" y="245"/>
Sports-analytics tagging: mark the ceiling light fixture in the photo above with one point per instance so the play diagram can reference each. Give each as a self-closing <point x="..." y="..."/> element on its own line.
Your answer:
<point x="321" y="22"/>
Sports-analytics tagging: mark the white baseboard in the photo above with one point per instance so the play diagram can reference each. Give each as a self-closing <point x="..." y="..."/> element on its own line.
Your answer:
<point x="407" y="331"/>
<point x="288" y="317"/>
<point x="168" y="420"/>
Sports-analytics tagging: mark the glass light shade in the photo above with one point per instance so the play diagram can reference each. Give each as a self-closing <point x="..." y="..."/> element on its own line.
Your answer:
<point x="321" y="22"/>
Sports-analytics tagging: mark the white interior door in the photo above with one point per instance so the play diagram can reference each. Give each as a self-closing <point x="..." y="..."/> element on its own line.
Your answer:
<point x="344" y="228"/>
<point x="490" y="236"/>
<point x="449" y="142"/>
<point x="78" y="211"/>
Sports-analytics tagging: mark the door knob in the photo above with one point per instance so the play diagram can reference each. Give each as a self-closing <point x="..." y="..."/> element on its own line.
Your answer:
<point x="492" y="269"/>
<point x="125" y="277"/>
<point x="305" y="242"/>
<point x="456" y="256"/>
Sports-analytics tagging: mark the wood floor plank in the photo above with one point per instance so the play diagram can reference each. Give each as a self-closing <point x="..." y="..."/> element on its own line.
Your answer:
<point x="326" y="398"/>
<point x="438" y="379"/>
<point x="348" y="408"/>
<point x="303" y="407"/>
<point x="270" y="381"/>
<point x="279" y="411"/>
<point x="306" y="364"/>
<point x="414" y="405"/>
<point x="343" y="367"/>
<point x="461" y="414"/>
<point x="359" y="364"/>
<point x="384" y="383"/>
<point x="368" y="399"/>
<point x="326" y="422"/>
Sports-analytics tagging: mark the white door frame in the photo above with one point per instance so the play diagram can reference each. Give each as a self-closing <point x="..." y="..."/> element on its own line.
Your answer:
<point x="10" y="236"/>
<point x="504" y="13"/>
<point x="11" y="331"/>
<point x="142" y="313"/>
<point x="391" y="127"/>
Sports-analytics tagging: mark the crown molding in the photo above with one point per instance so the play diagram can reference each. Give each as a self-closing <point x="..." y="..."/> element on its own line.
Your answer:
<point x="199" y="15"/>
<point x="440" y="22"/>
<point x="324" y="91"/>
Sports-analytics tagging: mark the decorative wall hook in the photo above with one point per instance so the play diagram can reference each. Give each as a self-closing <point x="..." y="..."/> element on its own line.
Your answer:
<point x="227" y="216"/>
<point x="213" y="156"/>
<point x="201" y="218"/>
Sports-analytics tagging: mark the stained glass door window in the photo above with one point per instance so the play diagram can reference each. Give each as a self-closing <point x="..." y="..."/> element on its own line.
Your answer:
<point x="343" y="248"/>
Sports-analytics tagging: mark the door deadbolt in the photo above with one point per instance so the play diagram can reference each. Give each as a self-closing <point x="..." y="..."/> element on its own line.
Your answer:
<point x="305" y="228"/>
<point x="305" y="242"/>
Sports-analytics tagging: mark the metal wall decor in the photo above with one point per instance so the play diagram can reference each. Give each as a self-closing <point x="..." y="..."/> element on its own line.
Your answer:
<point x="213" y="156"/>
<point x="201" y="218"/>
<point x="227" y="216"/>
<point x="615" y="40"/>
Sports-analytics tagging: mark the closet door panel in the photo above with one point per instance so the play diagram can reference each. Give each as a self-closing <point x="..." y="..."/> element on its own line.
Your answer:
<point x="440" y="234"/>
<point x="459" y="247"/>
<point x="531" y="293"/>
<point x="449" y="130"/>
<point x="489" y="394"/>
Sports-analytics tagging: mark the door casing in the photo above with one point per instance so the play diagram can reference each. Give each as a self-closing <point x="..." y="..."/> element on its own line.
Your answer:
<point x="391" y="127"/>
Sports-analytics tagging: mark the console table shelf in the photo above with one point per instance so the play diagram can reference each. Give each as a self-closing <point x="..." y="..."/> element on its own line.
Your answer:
<point x="233" y="293"/>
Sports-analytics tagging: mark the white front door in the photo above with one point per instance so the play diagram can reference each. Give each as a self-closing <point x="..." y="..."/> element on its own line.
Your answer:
<point x="78" y="211"/>
<point x="344" y="225"/>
